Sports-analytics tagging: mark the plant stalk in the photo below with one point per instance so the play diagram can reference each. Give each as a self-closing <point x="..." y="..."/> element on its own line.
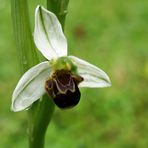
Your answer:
<point x="23" y="35"/>
<point x="40" y="113"/>
<point x="59" y="7"/>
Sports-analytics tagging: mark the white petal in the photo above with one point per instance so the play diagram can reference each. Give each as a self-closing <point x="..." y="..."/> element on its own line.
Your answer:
<point x="30" y="87"/>
<point x="93" y="76"/>
<point x="48" y="34"/>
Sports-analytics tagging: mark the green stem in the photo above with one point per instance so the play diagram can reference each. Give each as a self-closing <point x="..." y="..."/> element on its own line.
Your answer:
<point x="40" y="113"/>
<point x="59" y="7"/>
<point x="40" y="116"/>
<point x="23" y="35"/>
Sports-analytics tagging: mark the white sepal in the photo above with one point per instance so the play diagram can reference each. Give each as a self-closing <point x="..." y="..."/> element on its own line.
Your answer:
<point x="93" y="76"/>
<point x="48" y="35"/>
<point x="30" y="87"/>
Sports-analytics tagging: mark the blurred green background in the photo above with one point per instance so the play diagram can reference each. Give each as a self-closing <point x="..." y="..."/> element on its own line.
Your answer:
<point x="112" y="34"/>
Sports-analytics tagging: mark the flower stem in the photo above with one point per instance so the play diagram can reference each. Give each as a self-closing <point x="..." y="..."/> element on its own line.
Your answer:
<point x="40" y="113"/>
<point x="59" y="7"/>
<point x="23" y="36"/>
<point x="40" y="116"/>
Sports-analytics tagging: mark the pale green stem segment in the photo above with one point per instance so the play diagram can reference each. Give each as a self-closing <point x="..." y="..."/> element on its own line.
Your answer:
<point x="23" y="35"/>
<point x="40" y="116"/>
<point x="59" y="7"/>
<point x="41" y="111"/>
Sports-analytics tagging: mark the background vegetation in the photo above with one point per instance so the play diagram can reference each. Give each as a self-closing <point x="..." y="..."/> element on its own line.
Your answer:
<point x="112" y="34"/>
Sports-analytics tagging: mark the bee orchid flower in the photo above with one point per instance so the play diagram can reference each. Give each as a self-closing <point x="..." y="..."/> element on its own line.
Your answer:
<point x="61" y="75"/>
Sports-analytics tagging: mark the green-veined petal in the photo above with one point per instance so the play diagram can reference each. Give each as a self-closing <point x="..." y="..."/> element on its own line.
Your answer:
<point x="48" y="35"/>
<point x="93" y="76"/>
<point x="30" y="87"/>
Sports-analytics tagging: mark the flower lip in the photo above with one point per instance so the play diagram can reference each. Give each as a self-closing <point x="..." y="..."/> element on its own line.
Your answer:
<point x="68" y="100"/>
<point x="63" y="88"/>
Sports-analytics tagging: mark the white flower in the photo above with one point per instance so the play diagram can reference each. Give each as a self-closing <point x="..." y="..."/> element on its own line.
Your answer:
<point x="51" y="42"/>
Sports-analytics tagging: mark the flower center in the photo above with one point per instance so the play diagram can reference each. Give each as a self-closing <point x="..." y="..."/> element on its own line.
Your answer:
<point x="63" y="63"/>
<point x="62" y="86"/>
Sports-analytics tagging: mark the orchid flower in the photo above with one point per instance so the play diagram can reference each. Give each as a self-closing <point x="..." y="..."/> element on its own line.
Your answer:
<point x="61" y="75"/>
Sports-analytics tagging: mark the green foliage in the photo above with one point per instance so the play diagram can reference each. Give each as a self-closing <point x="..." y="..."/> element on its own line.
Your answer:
<point x="111" y="34"/>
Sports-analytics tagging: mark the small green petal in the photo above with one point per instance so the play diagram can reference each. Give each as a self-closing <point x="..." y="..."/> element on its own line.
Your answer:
<point x="63" y="63"/>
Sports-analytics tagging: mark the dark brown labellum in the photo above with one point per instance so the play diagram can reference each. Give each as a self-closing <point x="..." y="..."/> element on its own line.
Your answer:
<point x="63" y="88"/>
